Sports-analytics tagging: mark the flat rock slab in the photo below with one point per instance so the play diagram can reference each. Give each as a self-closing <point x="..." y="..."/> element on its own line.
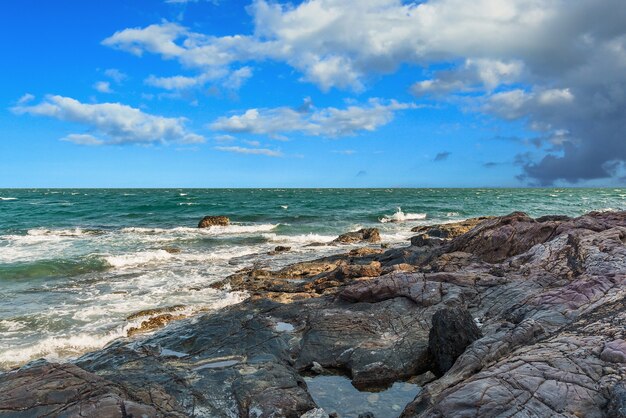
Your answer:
<point x="65" y="390"/>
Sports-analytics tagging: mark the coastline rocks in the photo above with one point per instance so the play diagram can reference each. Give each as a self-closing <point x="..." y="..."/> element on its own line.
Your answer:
<point x="209" y="221"/>
<point x="549" y="295"/>
<point x="366" y="234"/>
<point x="450" y="230"/>
<point x="452" y="331"/>
<point x="66" y="390"/>
<point x="617" y="403"/>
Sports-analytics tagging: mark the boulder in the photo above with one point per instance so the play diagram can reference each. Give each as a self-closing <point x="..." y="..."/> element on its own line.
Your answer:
<point x="365" y="234"/>
<point x="209" y="221"/>
<point x="452" y="331"/>
<point x="449" y="230"/>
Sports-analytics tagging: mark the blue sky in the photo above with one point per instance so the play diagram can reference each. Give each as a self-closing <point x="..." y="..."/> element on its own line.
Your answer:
<point x="323" y="93"/>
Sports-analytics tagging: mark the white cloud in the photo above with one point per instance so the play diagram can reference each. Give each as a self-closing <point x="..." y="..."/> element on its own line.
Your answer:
<point x="237" y="78"/>
<point x="115" y="75"/>
<point x="25" y="99"/>
<point x="253" y="151"/>
<point x="83" y="139"/>
<point x="114" y="122"/>
<point x="103" y="87"/>
<point x="224" y="138"/>
<point x="560" y="65"/>
<point x="327" y="122"/>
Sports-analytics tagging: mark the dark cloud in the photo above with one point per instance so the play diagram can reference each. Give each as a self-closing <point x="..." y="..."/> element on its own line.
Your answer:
<point x="442" y="156"/>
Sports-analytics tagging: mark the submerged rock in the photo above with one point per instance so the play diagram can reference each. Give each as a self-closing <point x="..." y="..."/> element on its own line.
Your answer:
<point x="208" y="221"/>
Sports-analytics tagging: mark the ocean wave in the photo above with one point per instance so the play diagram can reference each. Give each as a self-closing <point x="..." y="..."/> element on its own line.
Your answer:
<point x="137" y="258"/>
<point x="299" y="239"/>
<point x="8" y="198"/>
<point x="51" y="268"/>
<point x="63" y="347"/>
<point x="213" y="230"/>
<point x="76" y="232"/>
<point x="400" y="216"/>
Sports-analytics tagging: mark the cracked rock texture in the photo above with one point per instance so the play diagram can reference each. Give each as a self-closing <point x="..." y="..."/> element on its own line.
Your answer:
<point x="516" y="316"/>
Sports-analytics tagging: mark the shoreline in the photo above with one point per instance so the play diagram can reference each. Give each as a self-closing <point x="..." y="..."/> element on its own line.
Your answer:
<point x="539" y="293"/>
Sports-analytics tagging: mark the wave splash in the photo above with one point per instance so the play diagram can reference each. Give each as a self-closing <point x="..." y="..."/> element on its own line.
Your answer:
<point x="400" y="216"/>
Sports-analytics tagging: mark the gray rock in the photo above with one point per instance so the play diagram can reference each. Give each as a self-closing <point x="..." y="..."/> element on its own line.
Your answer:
<point x="452" y="331"/>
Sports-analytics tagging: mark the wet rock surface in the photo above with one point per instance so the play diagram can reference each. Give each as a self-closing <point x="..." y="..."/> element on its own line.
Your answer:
<point x="209" y="221"/>
<point x="514" y="317"/>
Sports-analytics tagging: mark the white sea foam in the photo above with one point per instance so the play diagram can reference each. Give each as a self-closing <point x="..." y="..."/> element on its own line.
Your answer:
<point x="79" y="341"/>
<point x="299" y="239"/>
<point x="138" y="258"/>
<point x="213" y="230"/>
<point x="400" y="216"/>
<point x="8" y="198"/>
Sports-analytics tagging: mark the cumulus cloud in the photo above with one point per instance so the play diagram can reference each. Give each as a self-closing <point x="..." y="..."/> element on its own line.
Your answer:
<point x="115" y="123"/>
<point x="252" y="151"/>
<point x="557" y="64"/>
<point x="224" y="138"/>
<point x="103" y="87"/>
<point x="83" y="139"/>
<point x="115" y="75"/>
<point x="327" y="122"/>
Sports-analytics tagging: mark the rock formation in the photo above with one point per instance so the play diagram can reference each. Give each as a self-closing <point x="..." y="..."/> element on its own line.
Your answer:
<point x="515" y="317"/>
<point x="208" y="221"/>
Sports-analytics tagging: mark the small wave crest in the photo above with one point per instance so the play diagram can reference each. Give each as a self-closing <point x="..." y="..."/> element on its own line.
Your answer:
<point x="213" y="230"/>
<point x="137" y="259"/>
<point x="8" y="198"/>
<point x="400" y="216"/>
<point x="299" y="239"/>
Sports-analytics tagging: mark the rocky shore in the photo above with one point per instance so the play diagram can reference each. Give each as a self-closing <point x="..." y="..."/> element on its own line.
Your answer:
<point x="505" y="316"/>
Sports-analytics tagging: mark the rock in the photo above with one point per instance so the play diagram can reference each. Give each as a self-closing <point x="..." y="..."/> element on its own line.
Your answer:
<point x="317" y="368"/>
<point x="615" y="352"/>
<point x="209" y="221"/>
<point x="452" y="331"/>
<point x="279" y="249"/>
<point x="366" y="234"/>
<point x="172" y="250"/>
<point x="617" y="401"/>
<point x="153" y="323"/>
<point x="366" y="415"/>
<point x="423" y="378"/>
<point x="450" y="230"/>
<point x="66" y="390"/>
<point x="425" y="240"/>
<point x="315" y="413"/>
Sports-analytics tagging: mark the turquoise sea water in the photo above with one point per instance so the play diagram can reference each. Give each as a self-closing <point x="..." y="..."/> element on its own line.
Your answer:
<point x="75" y="263"/>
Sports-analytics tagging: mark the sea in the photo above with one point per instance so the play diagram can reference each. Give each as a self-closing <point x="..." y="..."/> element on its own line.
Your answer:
<point x="76" y="264"/>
